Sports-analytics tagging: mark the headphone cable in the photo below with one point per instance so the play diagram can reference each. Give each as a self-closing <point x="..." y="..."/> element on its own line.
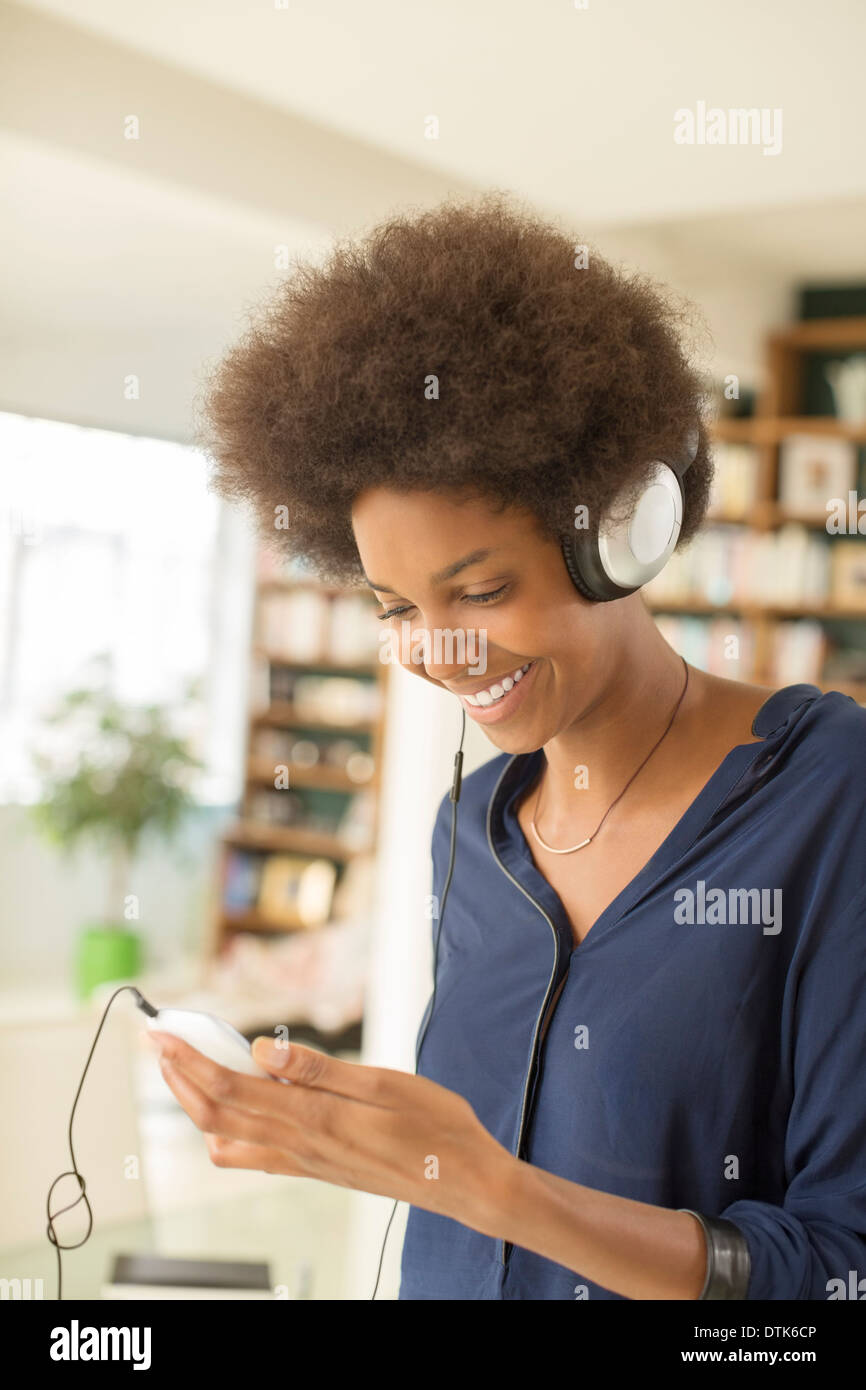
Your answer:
<point x="73" y="1171"/>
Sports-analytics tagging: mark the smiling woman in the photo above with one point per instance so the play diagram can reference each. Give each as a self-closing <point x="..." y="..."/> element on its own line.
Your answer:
<point x="620" y="1104"/>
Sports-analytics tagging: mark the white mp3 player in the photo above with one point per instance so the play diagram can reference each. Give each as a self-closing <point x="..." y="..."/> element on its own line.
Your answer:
<point x="209" y="1035"/>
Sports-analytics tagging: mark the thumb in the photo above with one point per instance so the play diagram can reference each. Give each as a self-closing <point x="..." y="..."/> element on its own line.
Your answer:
<point x="302" y="1064"/>
<point x="272" y="1053"/>
<point x="309" y="1067"/>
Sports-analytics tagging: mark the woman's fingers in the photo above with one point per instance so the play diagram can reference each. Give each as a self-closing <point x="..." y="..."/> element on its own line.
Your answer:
<point x="218" y="1116"/>
<point x="244" y="1139"/>
<point x="222" y="1084"/>
<point x="235" y="1153"/>
<point x="305" y="1066"/>
<point x="306" y="1124"/>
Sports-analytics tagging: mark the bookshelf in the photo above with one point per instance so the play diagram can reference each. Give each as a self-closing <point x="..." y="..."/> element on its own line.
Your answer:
<point x="296" y="863"/>
<point x="768" y="568"/>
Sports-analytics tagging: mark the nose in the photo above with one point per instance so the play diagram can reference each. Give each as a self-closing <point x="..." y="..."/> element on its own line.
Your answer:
<point x="441" y="653"/>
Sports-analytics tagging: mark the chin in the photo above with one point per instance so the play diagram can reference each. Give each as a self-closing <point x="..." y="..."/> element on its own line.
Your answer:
<point x="512" y="740"/>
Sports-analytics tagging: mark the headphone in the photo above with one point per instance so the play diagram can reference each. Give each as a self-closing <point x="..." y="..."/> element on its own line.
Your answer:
<point x="615" y="558"/>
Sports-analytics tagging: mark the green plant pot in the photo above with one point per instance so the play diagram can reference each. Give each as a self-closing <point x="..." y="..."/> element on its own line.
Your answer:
<point x="106" y="953"/>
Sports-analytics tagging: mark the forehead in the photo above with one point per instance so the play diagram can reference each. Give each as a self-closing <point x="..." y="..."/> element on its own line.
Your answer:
<point x="420" y="533"/>
<point x="414" y="504"/>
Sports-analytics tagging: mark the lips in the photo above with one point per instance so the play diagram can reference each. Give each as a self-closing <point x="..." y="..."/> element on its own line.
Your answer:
<point x="497" y="690"/>
<point x="486" y="707"/>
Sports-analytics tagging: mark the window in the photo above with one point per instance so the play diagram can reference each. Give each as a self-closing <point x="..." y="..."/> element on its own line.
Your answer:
<point x="112" y="543"/>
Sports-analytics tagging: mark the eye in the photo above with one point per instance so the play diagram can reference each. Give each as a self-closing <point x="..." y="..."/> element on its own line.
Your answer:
<point x="467" y="598"/>
<point x="485" y="598"/>
<point x="392" y="613"/>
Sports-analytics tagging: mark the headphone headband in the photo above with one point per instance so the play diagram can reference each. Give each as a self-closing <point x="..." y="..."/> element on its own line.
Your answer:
<point x="684" y="460"/>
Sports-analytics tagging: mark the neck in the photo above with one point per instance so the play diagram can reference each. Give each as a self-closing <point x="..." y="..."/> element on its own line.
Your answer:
<point x="636" y="696"/>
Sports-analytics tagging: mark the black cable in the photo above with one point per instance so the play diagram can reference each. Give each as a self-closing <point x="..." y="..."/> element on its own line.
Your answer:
<point x="454" y="796"/>
<point x="73" y="1171"/>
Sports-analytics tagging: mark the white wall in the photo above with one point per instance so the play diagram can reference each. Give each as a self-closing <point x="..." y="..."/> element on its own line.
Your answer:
<point x="45" y="899"/>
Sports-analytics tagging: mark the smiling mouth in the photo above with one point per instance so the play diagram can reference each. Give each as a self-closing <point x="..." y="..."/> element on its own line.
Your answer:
<point x="497" y="690"/>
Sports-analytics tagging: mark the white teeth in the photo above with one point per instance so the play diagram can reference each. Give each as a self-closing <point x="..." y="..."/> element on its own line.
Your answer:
<point x="497" y="691"/>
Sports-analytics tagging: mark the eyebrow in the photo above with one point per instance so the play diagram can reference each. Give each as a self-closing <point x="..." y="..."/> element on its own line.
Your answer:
<point x="473" y="558"/>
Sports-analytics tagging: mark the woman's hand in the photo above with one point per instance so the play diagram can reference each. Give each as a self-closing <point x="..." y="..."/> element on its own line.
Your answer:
<point x="369" y="1128"/>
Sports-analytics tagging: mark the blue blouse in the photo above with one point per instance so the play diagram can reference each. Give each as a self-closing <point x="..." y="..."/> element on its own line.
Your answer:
<point x="703" y="1047"/>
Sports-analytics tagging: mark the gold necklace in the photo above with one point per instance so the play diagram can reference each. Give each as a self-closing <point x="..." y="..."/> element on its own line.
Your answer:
<point x="590" y="838"/>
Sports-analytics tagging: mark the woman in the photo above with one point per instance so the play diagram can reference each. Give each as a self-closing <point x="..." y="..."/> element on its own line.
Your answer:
<point x="644" y="1071"/>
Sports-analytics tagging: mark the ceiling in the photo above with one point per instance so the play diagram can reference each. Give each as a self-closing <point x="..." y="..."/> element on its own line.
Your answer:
<point x="264" y="127"/>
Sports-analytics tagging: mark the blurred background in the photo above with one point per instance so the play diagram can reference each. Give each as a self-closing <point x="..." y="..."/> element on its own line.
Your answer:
<point x="209" y="782"/>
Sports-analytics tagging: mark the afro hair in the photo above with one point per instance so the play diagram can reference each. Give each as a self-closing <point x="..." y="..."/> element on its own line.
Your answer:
<point x="472" y="349"/>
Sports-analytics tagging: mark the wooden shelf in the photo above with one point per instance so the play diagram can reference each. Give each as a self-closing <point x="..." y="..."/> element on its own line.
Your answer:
<point x="747" y="609"/>
<point x="252" y="920"/>
<point x="772" y="514"/>
<point x="758" y="429"/>
<point x="282" y="714"/>
<point x="247" y="834"/>
<point x="768" y="516"/>
<point x="334" y="779"/>
<point x="831" y="335"/>
<point x="325" y="664"/>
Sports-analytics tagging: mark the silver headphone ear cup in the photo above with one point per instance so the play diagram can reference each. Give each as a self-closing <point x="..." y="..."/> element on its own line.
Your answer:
<point x="622" y="557"/>
<point x="635" y="551"/>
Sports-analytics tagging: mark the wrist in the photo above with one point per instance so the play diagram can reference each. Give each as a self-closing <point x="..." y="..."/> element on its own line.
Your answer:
<point x="527" y="1206"/>
<point x="491" y="1194"/>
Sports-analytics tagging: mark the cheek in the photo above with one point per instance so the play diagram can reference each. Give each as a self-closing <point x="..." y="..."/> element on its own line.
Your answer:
<point x="537" y="630"/>
<point x="564" y="621"/>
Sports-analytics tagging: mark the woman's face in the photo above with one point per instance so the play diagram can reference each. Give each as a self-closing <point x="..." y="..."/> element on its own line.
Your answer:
<point x="442" y="567"/>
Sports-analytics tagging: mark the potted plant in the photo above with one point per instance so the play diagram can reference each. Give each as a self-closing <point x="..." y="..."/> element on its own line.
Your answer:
<point x="115" y="775"/>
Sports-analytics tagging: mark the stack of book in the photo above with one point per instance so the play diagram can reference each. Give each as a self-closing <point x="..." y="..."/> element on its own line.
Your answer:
<point x="735" y="481"/>
<point x="788" y="567"/>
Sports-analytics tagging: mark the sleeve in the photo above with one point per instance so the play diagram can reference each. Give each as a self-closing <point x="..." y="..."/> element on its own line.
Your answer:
<point x="813" y="1246"/>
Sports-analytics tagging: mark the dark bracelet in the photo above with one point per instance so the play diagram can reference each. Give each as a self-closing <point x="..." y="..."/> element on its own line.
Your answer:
<point x="729" y="1264"/>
